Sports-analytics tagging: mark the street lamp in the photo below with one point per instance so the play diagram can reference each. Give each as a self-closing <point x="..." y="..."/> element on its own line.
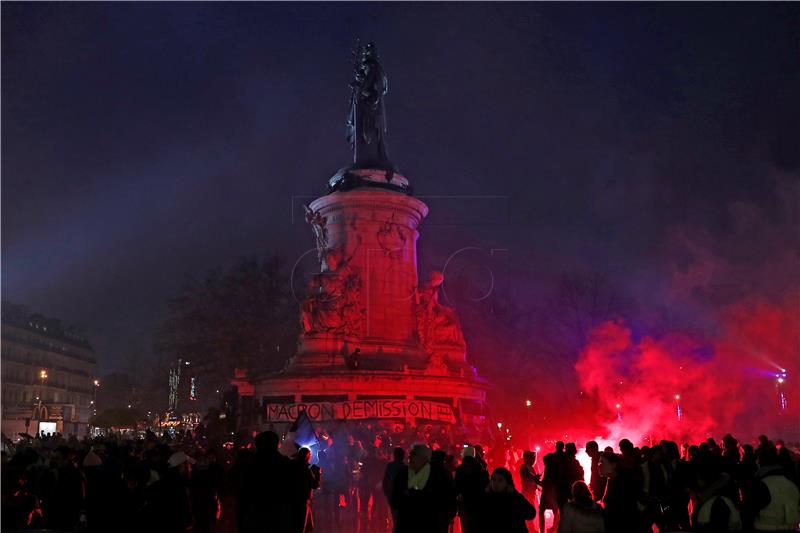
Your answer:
<point x="780" y="379"/>
<point x="42" y="377"/>
<point x="96" y="384"/>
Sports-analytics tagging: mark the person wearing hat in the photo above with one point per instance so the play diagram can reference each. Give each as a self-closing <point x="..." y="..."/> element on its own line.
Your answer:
<point x="167" y="506"/>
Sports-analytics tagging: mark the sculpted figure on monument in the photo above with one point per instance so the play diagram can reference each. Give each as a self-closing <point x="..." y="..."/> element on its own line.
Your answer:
<point x="366" y="123"/>
<point x="319" y="224"/>
<point x="333" y="304"/>
<point x="438" y="326"/>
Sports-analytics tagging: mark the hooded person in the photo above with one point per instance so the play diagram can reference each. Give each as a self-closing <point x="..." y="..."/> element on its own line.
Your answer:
<point x="502" y="509"/>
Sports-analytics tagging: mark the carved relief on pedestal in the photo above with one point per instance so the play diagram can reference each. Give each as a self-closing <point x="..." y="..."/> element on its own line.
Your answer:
<point x="391" y="238"/>
<point x="333" y="305"/>
<point x="438" y="325"/>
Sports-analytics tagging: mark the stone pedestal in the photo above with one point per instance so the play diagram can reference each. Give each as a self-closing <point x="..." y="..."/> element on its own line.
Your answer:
<point x="376" y="342"/>
<point x="373" y="233"/>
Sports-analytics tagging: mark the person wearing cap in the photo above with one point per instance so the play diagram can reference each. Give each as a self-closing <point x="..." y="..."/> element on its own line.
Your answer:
<point x="471" y="481"/>
<point x="168" y="505"/>
<point x="423" y="495"/>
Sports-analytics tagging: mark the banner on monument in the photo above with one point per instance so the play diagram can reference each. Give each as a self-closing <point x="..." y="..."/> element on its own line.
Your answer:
<point x="361" y="410"/>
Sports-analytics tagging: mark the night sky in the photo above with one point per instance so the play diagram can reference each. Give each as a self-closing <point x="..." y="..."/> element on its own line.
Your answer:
<point x="146" y="143"/>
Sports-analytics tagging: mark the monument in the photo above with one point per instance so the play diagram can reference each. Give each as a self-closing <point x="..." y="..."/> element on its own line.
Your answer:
<point x="375" y="342"/>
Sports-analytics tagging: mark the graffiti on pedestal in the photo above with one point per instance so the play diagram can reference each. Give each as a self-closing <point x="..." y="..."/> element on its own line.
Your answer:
<point x="362" y="410"/>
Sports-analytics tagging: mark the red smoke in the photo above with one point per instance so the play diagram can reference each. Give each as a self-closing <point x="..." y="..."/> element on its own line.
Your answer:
<point x="726" y="384"/>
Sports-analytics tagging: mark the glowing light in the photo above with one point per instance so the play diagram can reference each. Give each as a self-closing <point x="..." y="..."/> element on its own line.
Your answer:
<point x="43" y="374"/>
<point x="499" y="425"/>
<point x="129" y="406"/>
<point x="586" y="462"/>
<point x="618" y="406"/>
<point x="677" y="396"/>
<point x="538" y="448"/>
<point x="96" y="383"/>
<point x="780" y="380"/>
<point x="528" y="403"/>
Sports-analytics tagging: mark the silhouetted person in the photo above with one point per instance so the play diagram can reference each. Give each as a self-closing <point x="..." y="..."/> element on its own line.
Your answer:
<point x="654" y="487"/>
<point x="205" y="491"/>
<point x="370" y="484"/>
<point x="715" y="512"/>
<point x="67" y="499"/>
<point x="471" y="481"/>
<point x="264" y="497"/>
<point x="553" y="472"/>
<point x="581" y="514"/>
<point x="168" y="506"/>
<point x="771" y="502"/>
<point x="530" y="478"/>
<point x="571" y="472"/>
<point x="393" y="469"/>
<point x="502" y="509"/>
<point x="421" y="495"/>
<point x="620" y="499"/>
<point x="596" y="482"/>
<point x="302" y="482"/>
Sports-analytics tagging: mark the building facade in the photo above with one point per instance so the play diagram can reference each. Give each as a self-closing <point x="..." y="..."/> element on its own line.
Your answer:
<point x="48" y="375"/>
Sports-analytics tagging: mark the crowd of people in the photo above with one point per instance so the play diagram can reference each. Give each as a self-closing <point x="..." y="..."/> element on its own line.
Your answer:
<point x="408" y="481"/>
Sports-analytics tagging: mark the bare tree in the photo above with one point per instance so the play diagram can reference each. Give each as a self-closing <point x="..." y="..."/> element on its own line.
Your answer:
<point x="243" y="318"/>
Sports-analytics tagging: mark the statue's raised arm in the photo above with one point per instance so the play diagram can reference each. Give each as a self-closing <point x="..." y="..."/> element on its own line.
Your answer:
<point x="366" y="124"/>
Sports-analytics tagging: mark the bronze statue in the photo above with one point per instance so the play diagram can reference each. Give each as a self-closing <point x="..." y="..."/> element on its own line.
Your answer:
<point x="366" y="124"/>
